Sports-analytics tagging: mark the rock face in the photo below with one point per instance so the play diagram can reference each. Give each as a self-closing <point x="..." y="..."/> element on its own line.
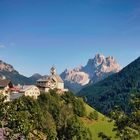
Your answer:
<point x="96" y="69"/>
<point x="75" y="79"/>
<point x="7" y="67"/>
<point x="8" y="71"/>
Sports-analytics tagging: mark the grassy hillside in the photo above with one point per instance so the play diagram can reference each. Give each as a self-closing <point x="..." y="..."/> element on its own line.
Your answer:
<point x="114" y="90"/>
<point x="101" y="125"/>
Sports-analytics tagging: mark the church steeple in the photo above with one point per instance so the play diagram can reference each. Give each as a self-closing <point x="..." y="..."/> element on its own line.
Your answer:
<point x="53" y="70"/>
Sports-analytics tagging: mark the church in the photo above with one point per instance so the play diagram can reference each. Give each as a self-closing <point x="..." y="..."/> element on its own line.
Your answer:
<point x="53" y="81"/>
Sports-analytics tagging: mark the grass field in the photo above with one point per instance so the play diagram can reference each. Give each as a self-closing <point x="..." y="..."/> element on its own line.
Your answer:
<point x="101" y="125"/>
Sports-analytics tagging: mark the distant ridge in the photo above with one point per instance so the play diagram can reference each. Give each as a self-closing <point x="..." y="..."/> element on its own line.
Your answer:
<point x="10" y="73"/>
<point x="35" y="77"/>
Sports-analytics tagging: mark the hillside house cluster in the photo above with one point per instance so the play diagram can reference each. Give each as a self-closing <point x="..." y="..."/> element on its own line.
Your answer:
<point x="14" y="92"/>
<point x="44" y="84"/>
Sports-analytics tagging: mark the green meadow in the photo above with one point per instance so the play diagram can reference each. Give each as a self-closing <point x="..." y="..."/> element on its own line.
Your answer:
<point x="100" y="125"/>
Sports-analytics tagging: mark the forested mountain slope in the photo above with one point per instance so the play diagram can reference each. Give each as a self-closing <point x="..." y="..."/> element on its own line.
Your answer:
<point x="114" y="90"/>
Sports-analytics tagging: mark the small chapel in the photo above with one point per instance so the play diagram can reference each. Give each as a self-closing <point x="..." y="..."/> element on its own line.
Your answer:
<point x="53" y="81"/>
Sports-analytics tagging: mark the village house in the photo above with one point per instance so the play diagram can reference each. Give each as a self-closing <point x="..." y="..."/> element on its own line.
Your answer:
<point x="30" y="90"/>
<point x="14" y="92"/>
<point x="5" y="88"/>
<point x="26" y="90"/>
<point x="53" y="81"/>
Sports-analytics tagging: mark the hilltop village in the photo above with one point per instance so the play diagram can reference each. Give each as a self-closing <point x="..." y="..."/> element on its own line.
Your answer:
<point x="11" y="91"/>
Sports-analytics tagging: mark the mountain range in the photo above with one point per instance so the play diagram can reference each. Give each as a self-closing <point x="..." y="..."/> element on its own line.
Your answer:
<point x="94" y="71"/>
<point x="115" y="90"/>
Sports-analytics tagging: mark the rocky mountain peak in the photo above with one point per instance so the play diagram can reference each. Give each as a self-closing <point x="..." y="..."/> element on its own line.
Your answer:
<point x="7" y="71"/>
<point x="6" y="67"/>
<point x="78" y="68"/>
<point x="95" y="70"/>
<point x="98" y="59"/>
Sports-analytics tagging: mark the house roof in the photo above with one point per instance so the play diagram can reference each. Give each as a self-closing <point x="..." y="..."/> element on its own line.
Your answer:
<point x="17" y="89"/>
<point x="4" y="83"/>
<point x="26" y="87"/>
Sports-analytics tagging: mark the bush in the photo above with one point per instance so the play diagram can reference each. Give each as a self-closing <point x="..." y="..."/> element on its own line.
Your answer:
<point x="93" y="115"/>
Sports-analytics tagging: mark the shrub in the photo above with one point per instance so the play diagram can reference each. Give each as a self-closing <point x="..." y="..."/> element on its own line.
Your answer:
<point x="93" y="115"/>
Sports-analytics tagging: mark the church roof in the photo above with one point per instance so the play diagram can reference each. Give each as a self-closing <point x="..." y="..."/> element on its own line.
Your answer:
<point x="58" y="78"/>
<point x="45" y="78"/>
<point x="53" y="76"/>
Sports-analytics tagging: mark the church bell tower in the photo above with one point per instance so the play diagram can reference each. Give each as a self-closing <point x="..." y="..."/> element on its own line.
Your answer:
<point x="53" y="71"/>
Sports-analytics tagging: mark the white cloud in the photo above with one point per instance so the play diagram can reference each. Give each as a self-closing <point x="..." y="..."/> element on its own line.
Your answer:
<point x="2" y="46"/>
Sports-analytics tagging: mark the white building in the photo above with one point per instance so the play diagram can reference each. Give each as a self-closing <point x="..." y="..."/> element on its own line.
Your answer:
<point x="14" y="92"/>
<point x="30" y="90"/>
<point x="27" y="90"/>
<point x="53" y="81"/>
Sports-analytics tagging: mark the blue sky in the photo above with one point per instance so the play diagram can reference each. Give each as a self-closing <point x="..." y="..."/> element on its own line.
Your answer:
<point x="36" y="34"/>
